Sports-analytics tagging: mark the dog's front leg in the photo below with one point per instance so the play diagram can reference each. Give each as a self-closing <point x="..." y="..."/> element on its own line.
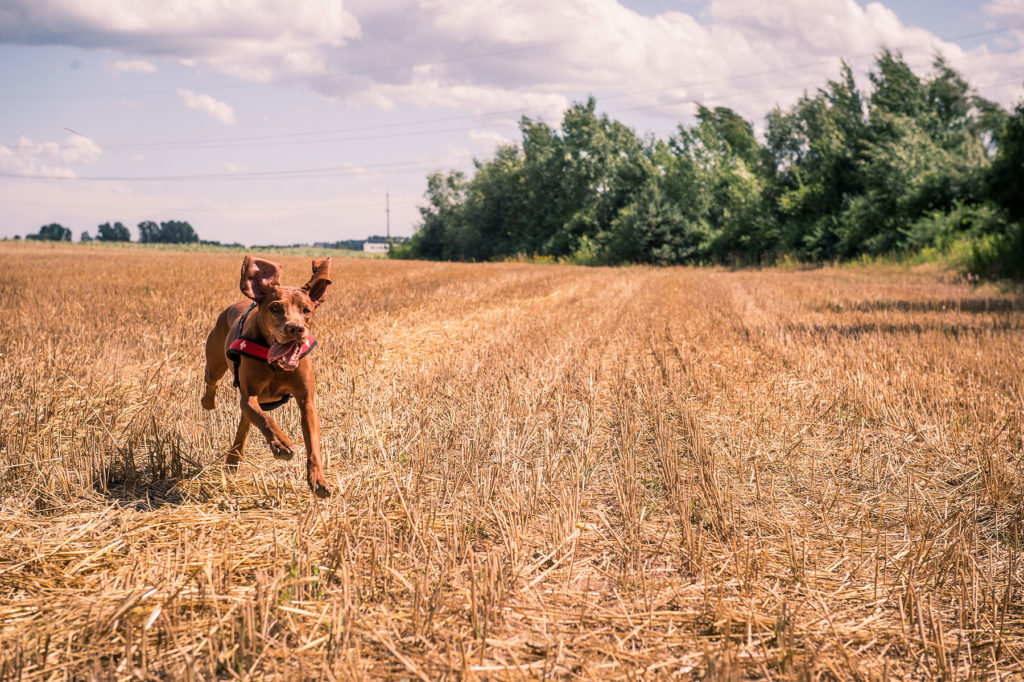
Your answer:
<point x="311" y="434"/>
<point x="238" y="447"/>
<point x="278" y="442"/>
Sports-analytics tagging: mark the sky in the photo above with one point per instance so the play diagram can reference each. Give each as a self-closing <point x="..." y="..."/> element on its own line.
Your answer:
<point x="264" y="122"/>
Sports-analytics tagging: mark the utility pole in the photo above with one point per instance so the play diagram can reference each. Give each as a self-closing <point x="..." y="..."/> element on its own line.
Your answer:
<point x="387" y="212"/>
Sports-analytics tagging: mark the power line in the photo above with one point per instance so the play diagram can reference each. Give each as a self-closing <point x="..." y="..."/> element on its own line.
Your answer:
<point x="728" y="95"/>
<point x="219" y="143"/>
<point x="247" y="141"/>
<point x="279" y="143"/>
<point x="296" y="174"/>
<point x="393" y="168"/>
<point x="202" y="143"/>
<point x="295" y="79"/>
<point x="282" y="138"/>
<point x="275" y="141"/>
<point x="212" y="209"/>
<point x="416" y="166"/>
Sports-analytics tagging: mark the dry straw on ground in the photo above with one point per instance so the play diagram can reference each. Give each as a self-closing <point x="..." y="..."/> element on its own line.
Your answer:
<point x="539" y="471"/>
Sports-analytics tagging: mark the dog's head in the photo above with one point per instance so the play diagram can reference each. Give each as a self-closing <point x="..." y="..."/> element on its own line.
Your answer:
<point x="284" y="313"/>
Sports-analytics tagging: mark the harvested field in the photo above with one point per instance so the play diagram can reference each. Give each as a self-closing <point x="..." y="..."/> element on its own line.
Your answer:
<point x="538" y="471"/>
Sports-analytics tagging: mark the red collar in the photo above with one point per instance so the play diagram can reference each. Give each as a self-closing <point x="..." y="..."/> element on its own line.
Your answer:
<point x="257" y="350"/>
<point x="254" y="349"/>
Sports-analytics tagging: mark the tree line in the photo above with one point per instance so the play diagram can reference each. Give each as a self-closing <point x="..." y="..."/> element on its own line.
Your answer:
<point x="169" y="232"/>
<point x="915" y="164"/>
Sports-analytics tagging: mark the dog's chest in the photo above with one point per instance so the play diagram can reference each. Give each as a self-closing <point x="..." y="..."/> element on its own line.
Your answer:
<point x="286" y="382"/>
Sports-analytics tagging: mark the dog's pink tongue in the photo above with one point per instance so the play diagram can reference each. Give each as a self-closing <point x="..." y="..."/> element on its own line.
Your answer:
<point x="287" y="353"/>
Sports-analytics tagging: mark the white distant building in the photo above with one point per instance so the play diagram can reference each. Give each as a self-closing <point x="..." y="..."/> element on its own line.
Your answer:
<point x="376" y="247"/>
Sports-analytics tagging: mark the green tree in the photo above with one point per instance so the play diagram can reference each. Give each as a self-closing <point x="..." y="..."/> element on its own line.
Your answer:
<point x="654" y="228"/>
<point x="148" y="232"/>
<point x="1006" y="178"/>
<point x="815" y="149"/>
<point x="53" y="232"/>
<point x="728" y="165"/>
<point x="169" y="232"/>
<point x="854" y="177"/>
<point x="492" y="220"/>
<point x="914" y="162"/>
<point x="582" y="176"/>
<point x="177" y="232"/>
<point x="113" y="233"/>
<point x="85" y="236"/>
<point x="440" y="219"/>
<point x="925" y="150"/>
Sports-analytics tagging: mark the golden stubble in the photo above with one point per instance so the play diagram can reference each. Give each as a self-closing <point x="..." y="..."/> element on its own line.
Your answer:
<point x="539" y="471"/>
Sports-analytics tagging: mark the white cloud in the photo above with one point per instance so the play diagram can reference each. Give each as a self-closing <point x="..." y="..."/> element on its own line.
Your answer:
<point x="133" y="66"/>
<point x="453" y="157"/>
<point x="246" y="37"/>
<point x="488" y="140"/>
<point x="214" y="108"/>
<point x="438" y="92"/>
<point x="530" y="55"/>
<point x="537" y="56"/>
<point x="234" y="167"/>
<point x="1013" y="9"/>
<point x="28" y="158"/>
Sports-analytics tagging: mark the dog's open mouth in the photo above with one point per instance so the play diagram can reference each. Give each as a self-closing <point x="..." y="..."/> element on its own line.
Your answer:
<point x="286" y="355"/>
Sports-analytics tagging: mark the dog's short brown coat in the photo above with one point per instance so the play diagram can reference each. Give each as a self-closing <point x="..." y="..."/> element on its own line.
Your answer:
<point x="283" y="315"/>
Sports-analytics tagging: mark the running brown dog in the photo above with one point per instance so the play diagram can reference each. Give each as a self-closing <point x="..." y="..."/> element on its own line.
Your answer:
<point x="268" y="342"/>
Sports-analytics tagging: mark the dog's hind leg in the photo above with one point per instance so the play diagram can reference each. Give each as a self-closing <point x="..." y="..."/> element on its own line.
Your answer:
<point x="216" y="365"/>
<point x="238" y="447"/>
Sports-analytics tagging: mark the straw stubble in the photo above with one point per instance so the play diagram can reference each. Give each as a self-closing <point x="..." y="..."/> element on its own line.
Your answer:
<point x="539" y="471"/>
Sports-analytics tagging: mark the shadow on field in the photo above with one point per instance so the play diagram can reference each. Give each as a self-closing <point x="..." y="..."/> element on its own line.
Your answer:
<point x="147" y="475"/>
<point x="948" y="305"/>
<point x="857" y="330"/>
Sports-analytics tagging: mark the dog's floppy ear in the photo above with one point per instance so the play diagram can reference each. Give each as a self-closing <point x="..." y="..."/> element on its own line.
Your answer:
<point x="316" y="287"/>
<point x="258" y="277"/>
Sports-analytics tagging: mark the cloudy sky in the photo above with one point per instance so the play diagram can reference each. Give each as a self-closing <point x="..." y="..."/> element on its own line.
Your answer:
<point x="268" y="122"/>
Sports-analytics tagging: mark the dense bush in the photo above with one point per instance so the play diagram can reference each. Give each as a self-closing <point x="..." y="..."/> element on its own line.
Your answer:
<point x="916" y="163"/>
<point x="169" y="232"/>
<point x="113" y="233"/>
<point x="54" y="232"/>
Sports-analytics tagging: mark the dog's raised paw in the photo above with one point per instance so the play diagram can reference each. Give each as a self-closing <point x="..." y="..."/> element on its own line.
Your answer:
<point x="281" y="451"/>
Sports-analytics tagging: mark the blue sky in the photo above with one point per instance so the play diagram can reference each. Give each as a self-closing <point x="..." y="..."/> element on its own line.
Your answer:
<point x="267" y="122"/>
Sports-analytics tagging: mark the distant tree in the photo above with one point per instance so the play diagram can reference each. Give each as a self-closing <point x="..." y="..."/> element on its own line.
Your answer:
<point x="816" y="147"/>
<point x="85" y="237"/>
<point x="169" y="232"/>
<point x="350" y="244"/>
<point x="924" y="151"/>
<point x="723" y="161"/>
<point x="115" y="233"/>
<point x="149" y="232"/>
<point x="913" y="162"/>
<point x="53" y="232"/>
<point x="735" y="131"/>
<point x="1006" y="178"/>
<point x="177" y="232"/>
<point x="441" y="217"/>
<point x="897" y="89"/>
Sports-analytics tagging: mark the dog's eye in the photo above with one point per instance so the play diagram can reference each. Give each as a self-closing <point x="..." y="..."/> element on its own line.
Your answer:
<point x="306" y="311"/>
<point x="276" y="307"/>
